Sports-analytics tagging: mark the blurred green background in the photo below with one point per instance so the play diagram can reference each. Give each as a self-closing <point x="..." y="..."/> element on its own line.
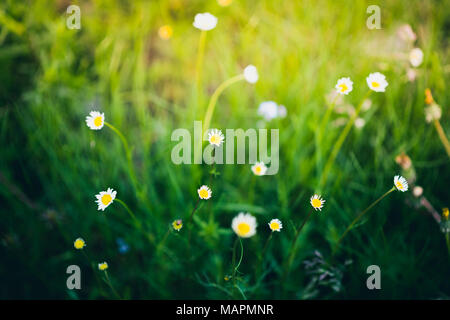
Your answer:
<point x="52" y="165"/>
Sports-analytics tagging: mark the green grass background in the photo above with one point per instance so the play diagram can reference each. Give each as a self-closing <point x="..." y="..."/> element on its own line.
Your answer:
<point x="52" y="165"/>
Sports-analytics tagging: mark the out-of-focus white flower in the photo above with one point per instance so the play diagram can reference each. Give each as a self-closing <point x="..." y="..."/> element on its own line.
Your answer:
<point x="271" y="110"/>
<point x="251" y="74"/>
<point x="406" y="33"/>
<point x="359" y="123"/>
<point x="335" y="97"/>
<point x="205" y="21"/>
<point x="344" y="86"/>
<point x="367" y="103"/>
<point x="433" y="112"/>
<point x="416" y="57"/>
<point x="417" y="191"/>
<point x="411" y="74"/>
<point x="377" y="82"/>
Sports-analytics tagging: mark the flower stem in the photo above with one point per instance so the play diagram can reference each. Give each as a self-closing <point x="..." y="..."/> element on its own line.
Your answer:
<point x="108" y="281"/>
<point x="327" y="117"/>
<point x="127" y="153"/>
<point x="447" y="240"/>
<point x="340" y="141"/>
<point x="200" y="55"/>
<point x="215" y="97"/>
<point x="163" y="240"/>
<point x="266" y="245"/>
<point x="193" y="211"/>
<point x="292" y="251"/>
<point x="128" y="210"/>
<point x="360" y="216"/>
<point x="235" y="268"/>
<point x="442" y="136"/>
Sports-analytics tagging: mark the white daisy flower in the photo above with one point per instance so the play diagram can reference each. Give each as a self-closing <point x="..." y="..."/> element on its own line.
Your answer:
<point x="344" y="86"/>
<point x="251" y="74"/>
<point x="102" y="266"/>
<point x="275" y="225"/>
<point x="205" y="21"/>
<point x="400" y="183"/>
<point x="259" y="168"/>
<point x="105" y="198"/>
<point x="416" y="57"/>
<point x="95" y="120"/>
<point x="270" y="110"/>
<point x="204" y="192"/>
<point x="377" y="82"/>
<point x="244" y="225"/>
<point x="215" y="137"/>
<point x="317" y="202"/>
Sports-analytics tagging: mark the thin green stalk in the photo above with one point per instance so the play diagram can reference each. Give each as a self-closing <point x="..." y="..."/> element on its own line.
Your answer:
<point x="360" y="216"/>
<point x="127" y="153"/>
<point x="340" y="141"/>
<point x="326" y="117"/>
<point x="193" y="211"/>
<point x="442" y="136"/>
<point x="263" y="253"/>
<point x="163" y="240"/>
<point x="198" y="69"/>
<point x="447" y="240"/>
<point x="108" y="281"/>
<point x="292" y="251"/>
<point x="215" y="97"/>
<point x="129" y="211"/>
<point x="92" y="266"/>
<point x="236" y="267"/>
<point x="265" y="246"/>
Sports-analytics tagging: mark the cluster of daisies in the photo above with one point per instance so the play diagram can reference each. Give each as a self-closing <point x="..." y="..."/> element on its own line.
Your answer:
<point x="375" y="81"/>
<point x="244" y="224"/>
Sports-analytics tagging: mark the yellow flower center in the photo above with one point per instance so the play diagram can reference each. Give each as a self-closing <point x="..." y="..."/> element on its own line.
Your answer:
<point x="103" y="266"/>
<point x="274" y="226"/>
<point x="316" y="203"/>
<point x="243" y="228"/>
<point x="375" y="84"/>
<point x="98" y="121"/>
<point x="203" y="193"/>
<point x="215" y="139"/>
<point x="79" y="244"/>
<point x="258" y="169"/>
<point x="343" y="87"/>
<point x="106" y="199"/>
<point x="399" y="185"/>
<point x="177" y="225"/>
